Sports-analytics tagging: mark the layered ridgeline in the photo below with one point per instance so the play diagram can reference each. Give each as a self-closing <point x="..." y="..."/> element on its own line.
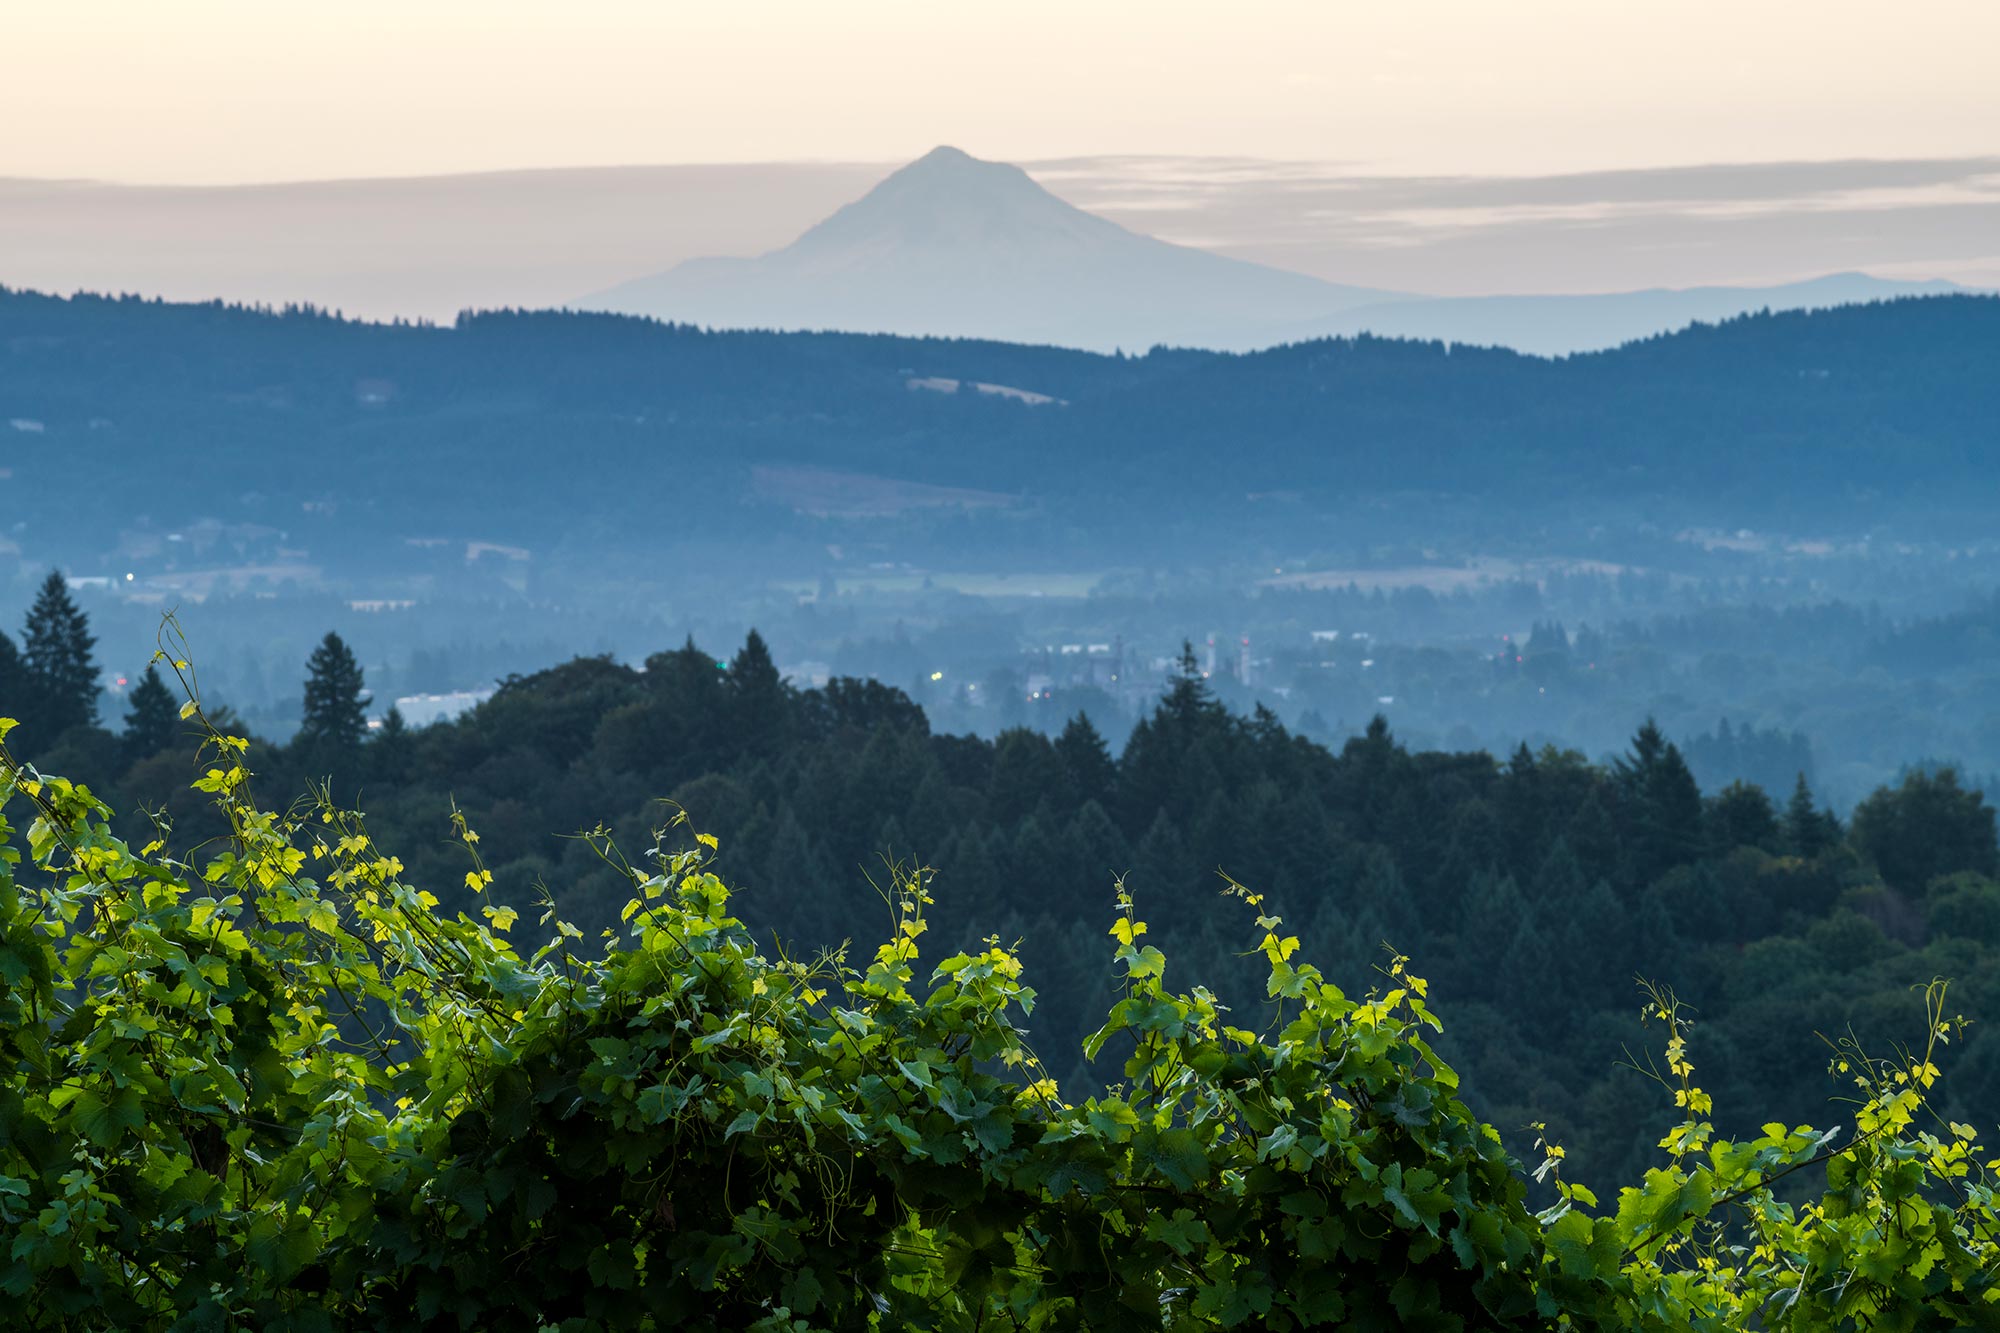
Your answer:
<point x="1532" y="889"/>
<point x="355" y="440"/>
<point x="269" y="1080"/>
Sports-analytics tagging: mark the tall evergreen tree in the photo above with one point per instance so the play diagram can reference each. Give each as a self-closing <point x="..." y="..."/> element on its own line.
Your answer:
<point x="1190" y="705"/>
<point x="795" y="871"/>
<point x="1152" y="771"/>
<point x="1086" y="757"/>
<point x="1665" y="803"/>
<point x="1808" y="830"/>
<point x="1491" y="911"/>
<point x="389" y="750"/>
<point x="58" y="650"/>
<point x="688" y="684"/>
<point x="1026" y="771"/>
<point x="1741" y="816"/>
<point x="151" y="721"/>
<point x="14" y="682"/>
<point x="1649" y="747"/>
<point x="760" y="703"/>
<point x="335" y="718"/>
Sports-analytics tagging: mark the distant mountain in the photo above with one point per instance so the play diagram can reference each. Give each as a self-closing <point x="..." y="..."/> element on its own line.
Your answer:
<point x="1557" y="325"/>
<point x="431" y="246"/>
<point x="953" y="246"/>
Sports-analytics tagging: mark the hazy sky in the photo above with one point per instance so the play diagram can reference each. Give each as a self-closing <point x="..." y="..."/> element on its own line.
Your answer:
<point x="249" y="90"/>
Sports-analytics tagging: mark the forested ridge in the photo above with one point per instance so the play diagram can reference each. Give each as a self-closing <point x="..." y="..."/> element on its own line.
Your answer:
<point x="1533" y="889"/>
<point x="200" y="410"/>
<point x="256" y="1075"/>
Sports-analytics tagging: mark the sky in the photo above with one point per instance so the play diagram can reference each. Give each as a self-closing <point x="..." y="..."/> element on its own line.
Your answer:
<point x="236" y="91"/>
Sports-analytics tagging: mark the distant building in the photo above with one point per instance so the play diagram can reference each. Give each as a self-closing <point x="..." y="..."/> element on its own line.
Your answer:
<point x="423" y="710"/>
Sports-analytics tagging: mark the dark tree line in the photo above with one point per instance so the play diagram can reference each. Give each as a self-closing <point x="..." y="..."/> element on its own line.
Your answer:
<point x="1532" y="889"/>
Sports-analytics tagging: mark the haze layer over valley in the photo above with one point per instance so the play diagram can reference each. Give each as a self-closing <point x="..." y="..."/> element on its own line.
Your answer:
<point x="978" y="476"/>
<point x="1782" y="522"/>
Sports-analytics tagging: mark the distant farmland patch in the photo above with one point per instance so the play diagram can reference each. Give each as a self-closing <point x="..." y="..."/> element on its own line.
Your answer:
<point x="1076" y="584"/>
<point x="828" y="494"/>
<point x="1476" y="572"/>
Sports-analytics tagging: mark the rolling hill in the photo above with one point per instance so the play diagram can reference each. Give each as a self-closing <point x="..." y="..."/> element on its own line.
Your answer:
<point x="615" y="440"/>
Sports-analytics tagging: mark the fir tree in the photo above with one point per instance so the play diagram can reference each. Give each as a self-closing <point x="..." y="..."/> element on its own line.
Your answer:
<point x="1380" y="893"/>
<point x="1086" y="757"/>
<point x="1806" y="829"/>
<point x="1559" y="884"/>
<point x="1153" y="770"/>
<point x="1595" y="937"/>
<point x="1026" y="772"/>
<point x="759" y="700"/>
<point x="1525" y="973"/>
<point x="1034" y="860"/>
<point x="795" y="871"/>
<point x="1665" y="805"/>
<point x="1493" y="911"/>
<point x="1101" y="851"/>
<point x="1189" y="706"/>
<point x="1741" y="816"/>
<point x="389" y="750"/>
<point x="335" y="718"/>
<point x="14" y="682"/>
<point x="57" y="649"/>
<point x="152" y="723"/>
<point x="1473" y="843"/>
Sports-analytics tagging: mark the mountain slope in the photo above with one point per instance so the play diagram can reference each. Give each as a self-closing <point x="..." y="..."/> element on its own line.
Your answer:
<point x="952" y="246"/>
<point x="957" y="247"/>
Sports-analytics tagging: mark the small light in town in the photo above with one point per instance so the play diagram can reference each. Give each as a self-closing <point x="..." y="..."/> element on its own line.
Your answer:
<point x="937" y="675"/>
<point x="128" y="576"/>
